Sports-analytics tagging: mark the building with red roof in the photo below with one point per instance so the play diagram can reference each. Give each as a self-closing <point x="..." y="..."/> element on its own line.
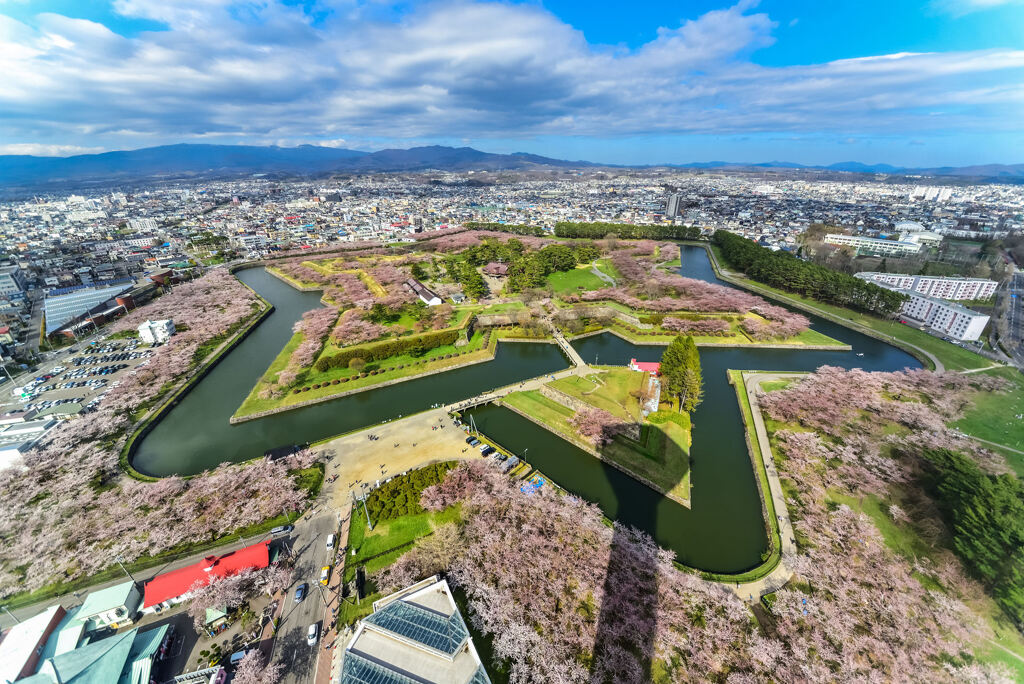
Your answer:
<point x="651" y="367"/>
<point x="173" y="587"/>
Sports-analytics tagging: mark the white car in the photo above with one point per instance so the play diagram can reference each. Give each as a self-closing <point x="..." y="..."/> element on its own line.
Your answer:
<point x="313" y="634"/>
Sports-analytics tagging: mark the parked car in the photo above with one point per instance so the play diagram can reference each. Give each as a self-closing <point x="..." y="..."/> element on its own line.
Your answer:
<point x="300" y="592"/>
<point x="313" y="633"/>
<point x="325" y="574"/>
<point x="281" y="530"/>
<point x="237" y="656"/>
<point x="469" y="440"/>
<point x="330" y="541"/>
<point x="475" y="442"/>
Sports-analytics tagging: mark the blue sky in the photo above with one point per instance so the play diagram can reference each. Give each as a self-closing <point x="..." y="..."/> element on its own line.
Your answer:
<point x="936" y="82"/>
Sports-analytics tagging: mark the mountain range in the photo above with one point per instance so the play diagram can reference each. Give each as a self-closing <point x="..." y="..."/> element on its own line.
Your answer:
<point x="208" y="161"/>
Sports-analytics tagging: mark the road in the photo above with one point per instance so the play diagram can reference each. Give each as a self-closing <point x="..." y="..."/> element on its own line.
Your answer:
<point x="309" y="544"/>
<point x="1015" y="318"/>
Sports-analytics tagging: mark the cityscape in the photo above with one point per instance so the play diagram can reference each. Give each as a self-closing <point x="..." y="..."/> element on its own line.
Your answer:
<point x="336" y="391"/>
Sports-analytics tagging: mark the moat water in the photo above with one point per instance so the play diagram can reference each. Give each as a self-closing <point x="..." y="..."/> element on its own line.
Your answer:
<point x="722" y="531"/>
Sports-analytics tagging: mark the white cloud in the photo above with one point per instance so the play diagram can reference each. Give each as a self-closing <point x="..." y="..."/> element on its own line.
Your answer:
<point x="42" y="150"/>
<point x="266" y="72"/>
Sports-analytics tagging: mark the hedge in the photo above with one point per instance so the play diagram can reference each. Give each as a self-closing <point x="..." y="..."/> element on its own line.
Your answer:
<point x="401" y="496"/>
<point x="388" y="348"/>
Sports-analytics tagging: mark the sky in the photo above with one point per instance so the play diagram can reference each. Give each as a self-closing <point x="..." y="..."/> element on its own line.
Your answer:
<point x="926" y="83"/>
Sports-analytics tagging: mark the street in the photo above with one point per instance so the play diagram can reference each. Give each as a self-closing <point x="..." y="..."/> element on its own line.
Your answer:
<point x="308" y="544"/>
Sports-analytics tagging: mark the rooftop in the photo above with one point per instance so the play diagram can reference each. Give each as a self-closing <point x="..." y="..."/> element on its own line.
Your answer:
<point x="173" y="584"/>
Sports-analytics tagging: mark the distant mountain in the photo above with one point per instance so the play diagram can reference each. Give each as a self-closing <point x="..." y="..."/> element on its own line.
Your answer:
<point x="213" y="161"/>
<point x="172" y="161"/>
<point x="1010" y="172"/>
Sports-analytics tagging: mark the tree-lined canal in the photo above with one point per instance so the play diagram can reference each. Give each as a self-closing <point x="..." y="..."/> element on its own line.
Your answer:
<point x="722" y="532"/>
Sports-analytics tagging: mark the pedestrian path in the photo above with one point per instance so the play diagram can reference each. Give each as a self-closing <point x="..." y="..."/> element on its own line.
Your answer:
<point x="777" y="578"/>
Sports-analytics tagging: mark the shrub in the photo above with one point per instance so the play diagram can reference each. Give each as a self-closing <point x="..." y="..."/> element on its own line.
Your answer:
<point x="401" y="496"/>
<point x="334" y="382"/>
<point x="417" y="344"/>
<point x="344" y="379"/>
<point x="296" y="390"/>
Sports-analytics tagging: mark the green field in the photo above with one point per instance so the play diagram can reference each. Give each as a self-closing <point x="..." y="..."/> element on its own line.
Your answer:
<point x="387" y="536"/>
<point x="661" y="457"/>
<point x="609" y="391"/>
<point x="993" y="416"/>
<point x="577" y="280"/>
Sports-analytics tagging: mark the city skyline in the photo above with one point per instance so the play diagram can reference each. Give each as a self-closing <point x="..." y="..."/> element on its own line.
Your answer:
<point x="909" y="84"/>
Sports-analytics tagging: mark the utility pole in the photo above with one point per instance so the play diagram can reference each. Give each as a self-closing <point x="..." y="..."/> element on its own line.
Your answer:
<point x="118" y="559"/>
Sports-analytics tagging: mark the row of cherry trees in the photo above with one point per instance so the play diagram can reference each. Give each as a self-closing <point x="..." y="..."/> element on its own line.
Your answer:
<point x="860" y="604"/>
<point x="566" y="598"/>
<point x="71" y="512"/>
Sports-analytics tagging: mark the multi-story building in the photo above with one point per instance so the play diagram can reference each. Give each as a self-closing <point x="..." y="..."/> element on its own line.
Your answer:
<point x="12" y="280"/>
<point x="156" y="332"/>
<point x="866" y="245"/>
<point x="935" y="286"/>
<point x="943" y="317"/>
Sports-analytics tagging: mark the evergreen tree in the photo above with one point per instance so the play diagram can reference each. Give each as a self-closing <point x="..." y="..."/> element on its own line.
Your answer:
<point x="693" y="379"/>
<point x="681" y="374"/>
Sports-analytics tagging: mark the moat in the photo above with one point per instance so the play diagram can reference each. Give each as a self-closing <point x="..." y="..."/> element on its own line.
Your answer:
<point x="721" y="532"/>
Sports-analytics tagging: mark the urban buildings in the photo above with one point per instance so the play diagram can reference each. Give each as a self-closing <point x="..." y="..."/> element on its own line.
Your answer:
<point x="414" y="635"/>
<point x="946" y="318"/>
<point x="868" y="245"/>
<point x="957" y="289"/>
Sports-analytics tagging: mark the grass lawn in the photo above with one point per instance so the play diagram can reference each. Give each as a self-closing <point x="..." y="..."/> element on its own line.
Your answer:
<point x="772" y="385"/>
<point x="548" y="411"/>
<point x="576" y="280"/>
<point x="951" y="356"/>
<point x="993" y="416"/>
<point x="504" y="307"/>
<point x="609" y="391"/>
<point x="905" y="541"/>
<point x="413" y="366"/>
<point x="662" y="457"/>
<point x="299" y="284"/>
<point x="391" y="534"/>
<point x="605" y="266"/>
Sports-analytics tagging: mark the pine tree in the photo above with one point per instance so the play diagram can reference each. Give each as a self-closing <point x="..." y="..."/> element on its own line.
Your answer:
<point x="673" y="362"/>
<point x="693" y="379"/>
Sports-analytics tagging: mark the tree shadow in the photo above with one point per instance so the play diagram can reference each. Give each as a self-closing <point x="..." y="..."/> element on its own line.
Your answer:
<point x="624" y="644"/>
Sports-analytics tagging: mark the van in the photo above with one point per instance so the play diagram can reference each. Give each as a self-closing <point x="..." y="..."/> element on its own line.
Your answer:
<point x="237" y="656"/>
<point x="330" y="541"/>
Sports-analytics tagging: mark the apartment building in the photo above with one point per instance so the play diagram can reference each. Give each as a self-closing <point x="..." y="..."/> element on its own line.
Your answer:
<point x="946" y="318"/>
<point x="956" y="289"/>
<point x="866" y="245"/>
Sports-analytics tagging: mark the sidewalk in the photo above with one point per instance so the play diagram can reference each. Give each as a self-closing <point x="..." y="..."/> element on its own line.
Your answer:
<point x="331" y="646"/>
<point x="777" y="578"/>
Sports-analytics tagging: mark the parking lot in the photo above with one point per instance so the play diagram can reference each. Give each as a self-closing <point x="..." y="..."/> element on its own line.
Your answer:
<point x="80" y="377"/>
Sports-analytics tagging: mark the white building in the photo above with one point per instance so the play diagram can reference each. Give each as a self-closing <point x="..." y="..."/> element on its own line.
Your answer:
<point x="12" y="280"/>
<point x="414" y="635"/>
<point x="868" y="245"/>
<point x="935" y="286"/>
<point x="946" y="318"/>
<point x="156" y="332"/>
<point x="143" y="225"/>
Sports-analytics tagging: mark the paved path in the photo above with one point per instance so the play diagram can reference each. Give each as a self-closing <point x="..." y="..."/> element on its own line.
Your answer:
<point x="995" y="444"/>
<point x="777" y="578"/>
<point x="602" y="275"/>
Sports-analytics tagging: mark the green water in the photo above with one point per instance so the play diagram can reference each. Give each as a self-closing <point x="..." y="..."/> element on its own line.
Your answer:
<point x="722" y="532"/>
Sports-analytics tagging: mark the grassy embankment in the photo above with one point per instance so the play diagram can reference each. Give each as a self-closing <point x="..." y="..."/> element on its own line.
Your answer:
<point x="380" y="547"/>
<point x="387" y="370"/>
<point x="952" y="356"/>
<point x="661" y="457"/>
<point x="911" y="541"/>
<point x="993" y="417"/>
